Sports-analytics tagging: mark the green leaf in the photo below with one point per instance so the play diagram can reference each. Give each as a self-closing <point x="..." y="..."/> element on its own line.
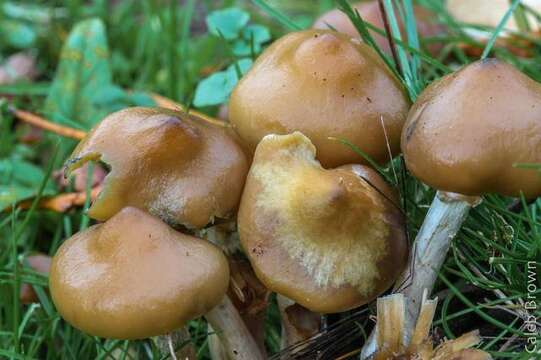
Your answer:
<point x="228" y="22"/>
<point x="242" y="48"/>
<point x="212" y="91"/>
<point x="216" y="88"/>
<point x="20" y="172"/>
<point x="244" y="65"/>
<point x="17" y="34"/>
<point x="84" y="71"/>
<point x="259" y="33"/>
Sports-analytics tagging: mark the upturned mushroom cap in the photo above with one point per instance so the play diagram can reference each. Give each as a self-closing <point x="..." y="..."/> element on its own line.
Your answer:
<point x="134" y="277"/>
<point x="467" y="130"/>
<point x="327" y="239"/>
<point x="324" y="84"/>
<point x="175" y="165"/>
<point x="370" y="12"/>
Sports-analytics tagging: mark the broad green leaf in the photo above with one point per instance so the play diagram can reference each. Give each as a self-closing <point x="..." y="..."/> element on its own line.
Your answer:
<point x="212" y="91"/>
<point x="242" y="48"/>
<point x="216" y="88"/>
<point x="30" y="12"/>
<point x="259" y="33"/>
<point x="83" y="72"/>
<point x="12" y="194"/>
<point x="227" y="22"/>
<point x="17" y="34"/>
<point x="20" y="172"/>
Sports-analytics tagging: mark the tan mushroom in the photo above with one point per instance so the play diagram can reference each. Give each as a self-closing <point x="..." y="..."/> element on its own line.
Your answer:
<point x="178" y="166"/>
<point x="324" y="84"/>
<point x="134" y="277"/>
<point x="370" y="13"/>
<point x="465" y="135"/>
<point x="328" y="239"/>
<point x="490" y="13"/>
<point x="467" y="132"/>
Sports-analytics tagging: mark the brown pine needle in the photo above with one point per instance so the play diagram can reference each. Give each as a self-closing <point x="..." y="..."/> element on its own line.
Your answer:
<point x="63" y="202"/>
<point x="166" y="103"/>
<point x="44" y="124"/>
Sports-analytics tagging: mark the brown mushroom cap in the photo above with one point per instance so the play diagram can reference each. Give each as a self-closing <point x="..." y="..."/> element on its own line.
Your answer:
<point x="490" y="13"/>
<point x="324" y="238"/>
<point x="178" y="166"/>
<point x="467" y="130"/>
<point x="324" y="84"/>
<point x="134" y="277"/>
<point x="369" y="11"/>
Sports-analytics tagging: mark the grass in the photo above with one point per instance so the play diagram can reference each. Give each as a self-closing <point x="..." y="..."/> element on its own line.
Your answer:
<point x="165" y="49"/>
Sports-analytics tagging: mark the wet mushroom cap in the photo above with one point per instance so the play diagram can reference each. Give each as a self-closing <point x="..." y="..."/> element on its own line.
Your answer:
<point x="370" y="13"/>
<point x="328" y="239"/>
<point x="324" y="84"/>
<point x="134" y="277"/>
<point x="178" y="166"/>
<point x="468" y="130"/>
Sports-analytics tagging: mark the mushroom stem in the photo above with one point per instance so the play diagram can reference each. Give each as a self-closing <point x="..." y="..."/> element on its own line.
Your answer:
<point x="177" y="345"/>
<point x="298" y="323"/>
<point x="444" y="219"/>
<point x="236" y="340"/>
<point x="216" y="350"/>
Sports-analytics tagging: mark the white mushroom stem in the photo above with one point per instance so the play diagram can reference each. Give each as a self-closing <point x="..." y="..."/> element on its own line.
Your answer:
<point x="236" y="340"/>
<point x="444" y="219"/>
<point x="297" y="327"/>
<point x="231" y="339"/>
<point x="216" y="350"/>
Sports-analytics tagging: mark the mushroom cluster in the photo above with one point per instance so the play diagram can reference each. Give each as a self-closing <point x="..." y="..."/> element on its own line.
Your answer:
<point x="329" y="239"/>
<point x="134" y="276"/>
<point x="318" y="226"/>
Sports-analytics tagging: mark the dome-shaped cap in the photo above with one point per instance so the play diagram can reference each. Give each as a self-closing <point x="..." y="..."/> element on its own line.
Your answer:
<point x="134" y="277"/>
<point x="324" y="84"/>
<point x="175" y="165"/>
<point x="490" y="13"/>
<point x="328" y="239"/>
<point x="370" y="13"/>
<point x="466" y="132"/>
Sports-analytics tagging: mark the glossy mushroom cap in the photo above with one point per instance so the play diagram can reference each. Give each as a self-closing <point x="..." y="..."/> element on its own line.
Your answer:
<point x="134" y="277"/>
<point x="327" y="239"/>
<point x="467" y="130"/>
<point x="175" y="165"/>
<point x="324" y="84"/>
<point x="490" y="13"/>
<point x="369" y="11"/>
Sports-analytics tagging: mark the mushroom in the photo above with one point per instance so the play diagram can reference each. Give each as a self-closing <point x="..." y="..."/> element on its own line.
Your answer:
<point x="464" y="136"/>
<point x="323" y="84"/>
<point x="370" y="13"/>
<point x="466" y="132"/>
<point x="133" y="277"/>
<point x="178" y="166"/>
<point x="330" y="240"/>
<point x="489" y="13"/>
